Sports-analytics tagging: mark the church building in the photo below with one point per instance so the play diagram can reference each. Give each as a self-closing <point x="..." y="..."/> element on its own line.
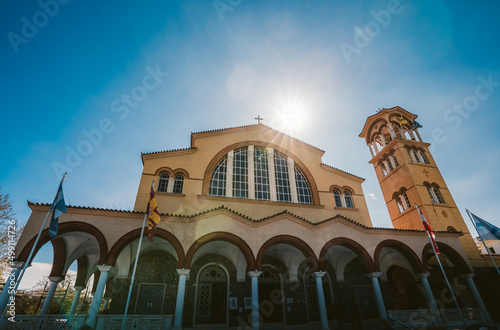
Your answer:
<point x="257" y="232"/>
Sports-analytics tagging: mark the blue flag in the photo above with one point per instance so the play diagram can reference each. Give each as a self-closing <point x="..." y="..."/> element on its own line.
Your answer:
<point x="58" y="208"/>
<point x="486" y="230"/>
<point x="415" y="125"/>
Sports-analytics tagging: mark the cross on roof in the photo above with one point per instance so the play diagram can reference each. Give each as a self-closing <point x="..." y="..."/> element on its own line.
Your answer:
<point x="259" y="119"/>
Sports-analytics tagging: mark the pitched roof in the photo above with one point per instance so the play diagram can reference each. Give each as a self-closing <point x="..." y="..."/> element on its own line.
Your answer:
<point x="251" y="126"/>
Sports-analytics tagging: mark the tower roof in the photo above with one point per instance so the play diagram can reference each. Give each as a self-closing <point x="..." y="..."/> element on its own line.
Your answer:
<point x="386" y="115"/>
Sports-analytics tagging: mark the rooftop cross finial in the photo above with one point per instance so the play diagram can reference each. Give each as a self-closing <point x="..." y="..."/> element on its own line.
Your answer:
<point x="259" y="119"/>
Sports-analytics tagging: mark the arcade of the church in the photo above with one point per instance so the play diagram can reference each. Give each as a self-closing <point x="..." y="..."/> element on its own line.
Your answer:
<point x="256" y="230"/>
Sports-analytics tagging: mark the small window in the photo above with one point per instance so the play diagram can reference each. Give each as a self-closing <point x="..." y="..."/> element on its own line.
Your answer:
<point x="338" y="200"/>
<point x="395" y="161"/>
<point x="178" y="184"/>
<point x="348" y="199"/>
<point x="407" y="201"/>
<point x="163" y="182"/>
<point x="400" y="205"/>
<point x="423" y="157"/>
<point x="435" y="194"/>
<point x="384" y="170"/>
<point x="389" y="164"/>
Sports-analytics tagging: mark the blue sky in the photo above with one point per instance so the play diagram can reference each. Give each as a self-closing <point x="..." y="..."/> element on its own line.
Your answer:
<point x="315" y="70"/>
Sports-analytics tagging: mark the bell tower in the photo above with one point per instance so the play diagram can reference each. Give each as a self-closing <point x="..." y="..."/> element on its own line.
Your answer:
<point x="408" y="175"/>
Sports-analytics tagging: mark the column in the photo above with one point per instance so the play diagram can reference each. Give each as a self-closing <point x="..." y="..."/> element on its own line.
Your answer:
<point x="272" y="175"/>
<point x="391" y="159"/>
<point x="9" y="284"/>
<point x="321" y="299"/>
<point x="391" y="131"/>
<point x="418" y="135"/>
<point x="229" y="174"/>
<point x="477" y="296"/>
<point x="99" y="291"/>
<point x="411" y="134"/>
<point x="76" y="300"/>
<point x="378" y="294"/>
<point x="375" y="146"/>
<point x="181" y="291"/>
<point x="382" y="138"/>
<point x="54" y="281"/>
<point x="371" y="150"/>
<point x="431" y="302"/>
<point x="291" y="177"/>
<point x="255" y="298"/>
<point x="251" y="173"/>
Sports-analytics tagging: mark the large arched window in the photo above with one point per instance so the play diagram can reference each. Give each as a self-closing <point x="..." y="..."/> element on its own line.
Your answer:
<point x="282" y="178"/>
<point x="218" y="179"/>
<point x="260" y="173"/>
<point x="163" y="182"/>
<point x="240" y="173"/>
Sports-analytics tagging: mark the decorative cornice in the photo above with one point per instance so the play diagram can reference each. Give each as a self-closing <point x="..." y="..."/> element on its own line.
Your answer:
<point x="344" y="172"/>
<point x="226" y="209"/>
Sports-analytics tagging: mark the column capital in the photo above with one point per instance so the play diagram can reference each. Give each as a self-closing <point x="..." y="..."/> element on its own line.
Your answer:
<point x="79" y="287"/>
<point x="254" y="273"/>
<point x="423" y="275"/>
<point x="19" y="264"/>
<point x="250" y="148"/>
<point x="56" y="279"/>
<point x="318" y="274"/>
<point x="374" y="274"/>
<point x="104" y="268"/>
<point x="270" y="151"/>
<point x="468" y="275"/>
<point x="183" y="271"/>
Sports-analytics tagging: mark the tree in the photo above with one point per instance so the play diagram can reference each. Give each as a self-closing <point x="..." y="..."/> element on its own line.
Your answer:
<point x="10" y="231"/>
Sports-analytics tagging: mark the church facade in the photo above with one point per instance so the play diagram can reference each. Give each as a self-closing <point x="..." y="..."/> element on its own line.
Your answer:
<point x="256" y="230"/>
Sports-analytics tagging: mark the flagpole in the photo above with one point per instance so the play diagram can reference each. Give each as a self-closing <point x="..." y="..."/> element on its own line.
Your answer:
<point x="445" y="277"/>
<point x="482" y="240"/>
<point x="30" y="256"/>
<point x="135" y="266"/>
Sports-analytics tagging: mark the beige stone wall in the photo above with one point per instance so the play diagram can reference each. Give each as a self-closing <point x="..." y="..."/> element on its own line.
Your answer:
<point x="209" y="146"/>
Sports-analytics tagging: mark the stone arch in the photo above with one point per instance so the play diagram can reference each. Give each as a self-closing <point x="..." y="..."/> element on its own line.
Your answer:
<point x="164" y="169"/>
<point x="223" y="152"/>
<point x="67" y="227"/>
<point x="404" y="249"/>
<point x="221" y="236"/>
<point x="59" y="259"/>
<point x="453" y="255"/>
<point x="291" y="240"/>
<point x="357" y="248"/>
<point x="131" y="236"/>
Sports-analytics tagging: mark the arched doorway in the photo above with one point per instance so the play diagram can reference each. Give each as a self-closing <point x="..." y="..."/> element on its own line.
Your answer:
<point x="271" y="293"/>
<point x="406" y="294"/>
<point x="212" y="290"/>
